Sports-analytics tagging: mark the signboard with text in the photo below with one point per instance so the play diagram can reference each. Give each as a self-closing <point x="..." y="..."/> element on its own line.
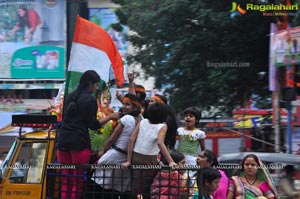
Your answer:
<point x="32" y="39"/>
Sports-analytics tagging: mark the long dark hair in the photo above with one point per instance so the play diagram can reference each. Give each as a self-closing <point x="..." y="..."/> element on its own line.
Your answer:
<point x="23" y="20"/>
<point x="89" y="77"/>
<point x="171" y="122"/>
<point x="211" y="157"/>
<point x="241" y="169"/>
<point x="157" y="113"/>
<point x="208" y="174"/>
<point x="251" y="155"/>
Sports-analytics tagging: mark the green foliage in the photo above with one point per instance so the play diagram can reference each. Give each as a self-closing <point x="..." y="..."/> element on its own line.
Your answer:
<point x="175" y="41"/>
<point x="295" y="21"/>
<point x="99" y="137"/>
<point x="8" y="21"/>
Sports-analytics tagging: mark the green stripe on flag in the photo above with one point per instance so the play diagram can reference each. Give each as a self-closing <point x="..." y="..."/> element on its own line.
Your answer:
<point x="73" y="79"/>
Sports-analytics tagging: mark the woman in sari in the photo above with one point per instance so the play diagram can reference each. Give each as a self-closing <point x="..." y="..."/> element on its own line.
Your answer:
<point x="254" y="181"/>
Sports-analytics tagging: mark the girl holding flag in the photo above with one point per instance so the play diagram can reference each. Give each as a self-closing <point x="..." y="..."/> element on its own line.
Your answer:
<point x="74" y="146"/>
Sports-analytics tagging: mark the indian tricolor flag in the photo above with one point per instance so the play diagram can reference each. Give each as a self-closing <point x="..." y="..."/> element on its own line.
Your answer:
<point x="93" y="49"/>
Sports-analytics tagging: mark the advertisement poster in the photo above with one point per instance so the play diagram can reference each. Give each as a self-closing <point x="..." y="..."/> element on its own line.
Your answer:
<point x="32" y="39"/>
<point x="272" y="68"/>
<point x="105" y="17"/>
<point x="251" y="118"/>
<point x="286" y="47"/>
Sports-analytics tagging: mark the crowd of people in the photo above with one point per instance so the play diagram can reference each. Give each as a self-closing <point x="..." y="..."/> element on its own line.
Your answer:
<point x="147" y="134"/>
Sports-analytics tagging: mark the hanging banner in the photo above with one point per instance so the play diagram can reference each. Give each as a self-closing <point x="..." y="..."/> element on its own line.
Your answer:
<point x="286" y="47"/>
<point x="32" y="39"/>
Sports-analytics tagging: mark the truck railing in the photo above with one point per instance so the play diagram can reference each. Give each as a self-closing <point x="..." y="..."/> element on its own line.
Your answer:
<point x="34" y="121"/>
<point x="112" y="181"/>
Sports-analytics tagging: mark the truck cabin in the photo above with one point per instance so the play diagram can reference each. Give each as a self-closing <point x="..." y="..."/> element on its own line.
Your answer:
<point x="22" y="174"/>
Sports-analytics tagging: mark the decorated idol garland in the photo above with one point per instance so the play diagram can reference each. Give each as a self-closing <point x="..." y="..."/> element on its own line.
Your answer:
<point x="99" y="137"/>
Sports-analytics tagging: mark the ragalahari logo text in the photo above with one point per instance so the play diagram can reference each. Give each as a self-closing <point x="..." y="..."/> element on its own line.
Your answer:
<point x="237" y="8"/>
<point x="265" y="9"/>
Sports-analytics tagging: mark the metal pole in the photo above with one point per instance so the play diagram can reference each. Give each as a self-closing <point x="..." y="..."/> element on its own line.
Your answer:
<point x="276" y="88"/>
<point x="277" y="118"/>
<point x="289" y="131"/>
<point x="289" y="96"/>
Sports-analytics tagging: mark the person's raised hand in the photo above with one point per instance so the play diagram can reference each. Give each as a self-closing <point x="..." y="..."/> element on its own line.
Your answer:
<point x="131" y="77"/>
<point x="118" y="95"/>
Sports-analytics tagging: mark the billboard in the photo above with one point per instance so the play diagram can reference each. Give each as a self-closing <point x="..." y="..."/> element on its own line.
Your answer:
<point x="252" y="118"/>
<point x="32" y="39"/>
<point x="286" y="47"/>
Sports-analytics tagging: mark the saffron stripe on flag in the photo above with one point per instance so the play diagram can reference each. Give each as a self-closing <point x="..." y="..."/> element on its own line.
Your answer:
<point x="93" y="35"/>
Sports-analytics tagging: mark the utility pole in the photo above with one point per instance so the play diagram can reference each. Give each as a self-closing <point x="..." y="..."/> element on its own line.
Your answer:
<point x="276" y="91"/>
<point x="74" y="8"/>
<point x="276" y="95"/>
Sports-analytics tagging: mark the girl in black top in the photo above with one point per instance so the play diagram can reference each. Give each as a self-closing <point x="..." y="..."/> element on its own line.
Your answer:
<point x="73" y="140"/>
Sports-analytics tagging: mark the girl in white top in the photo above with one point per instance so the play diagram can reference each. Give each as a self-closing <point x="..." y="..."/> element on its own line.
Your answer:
<point x="115" y="150"/>
<point x="144" y="145"/>
<point x="190" y="137"/>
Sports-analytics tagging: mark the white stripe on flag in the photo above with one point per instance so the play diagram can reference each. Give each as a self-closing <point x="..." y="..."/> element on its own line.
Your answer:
<point x="83" y="58"/>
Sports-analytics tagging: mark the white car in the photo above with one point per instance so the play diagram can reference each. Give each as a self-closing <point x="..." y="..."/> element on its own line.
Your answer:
<point x="264" y="157"/>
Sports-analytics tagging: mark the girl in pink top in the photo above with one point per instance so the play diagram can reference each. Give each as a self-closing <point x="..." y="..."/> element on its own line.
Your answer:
<point x="168" y="184"/>
<point x="207" y="158"/>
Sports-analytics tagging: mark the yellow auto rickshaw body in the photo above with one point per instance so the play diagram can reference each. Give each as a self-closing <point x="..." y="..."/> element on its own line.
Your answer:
<point x="23" y="172"/>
